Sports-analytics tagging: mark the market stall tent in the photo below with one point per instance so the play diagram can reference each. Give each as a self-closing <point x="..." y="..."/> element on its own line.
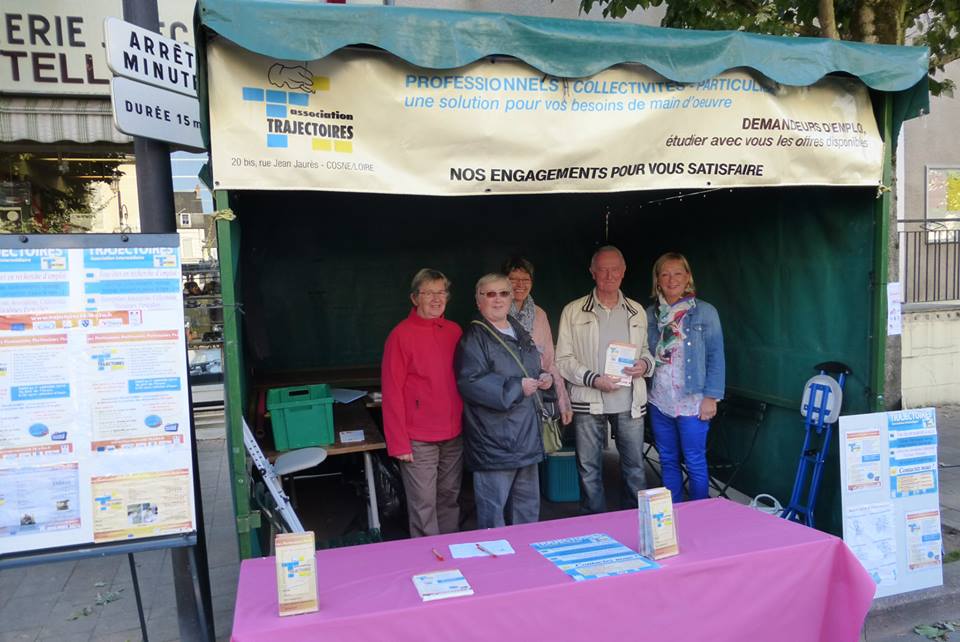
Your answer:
<point x="315" y="275"/>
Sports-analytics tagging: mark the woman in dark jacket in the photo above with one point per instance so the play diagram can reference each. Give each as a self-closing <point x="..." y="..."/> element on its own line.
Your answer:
<point x="501" y="418"/>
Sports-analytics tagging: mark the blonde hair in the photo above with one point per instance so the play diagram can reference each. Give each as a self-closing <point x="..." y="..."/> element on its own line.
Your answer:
<point x="672" y="256"/>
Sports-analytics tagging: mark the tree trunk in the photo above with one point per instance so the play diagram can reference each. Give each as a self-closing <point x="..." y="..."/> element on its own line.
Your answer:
<point x="879" y="21"/>
<point x="828" y="19"/>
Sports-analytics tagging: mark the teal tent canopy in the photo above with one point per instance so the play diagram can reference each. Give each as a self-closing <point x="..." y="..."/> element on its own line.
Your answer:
<point x="441" y="39"/>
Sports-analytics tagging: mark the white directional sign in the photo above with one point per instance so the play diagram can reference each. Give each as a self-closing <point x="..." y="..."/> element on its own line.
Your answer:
<point x="140" y="54"/>
<point x="142" y="110"/>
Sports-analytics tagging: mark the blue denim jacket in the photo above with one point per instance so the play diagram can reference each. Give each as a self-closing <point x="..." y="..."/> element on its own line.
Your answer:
<point x="705" y="369"/>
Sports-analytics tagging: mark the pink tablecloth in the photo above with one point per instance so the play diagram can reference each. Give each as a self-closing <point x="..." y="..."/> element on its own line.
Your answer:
<point x="741" y="576"/>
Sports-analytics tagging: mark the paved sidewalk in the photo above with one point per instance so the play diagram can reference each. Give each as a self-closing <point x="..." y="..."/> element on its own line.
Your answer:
<point x="48" y="601"/>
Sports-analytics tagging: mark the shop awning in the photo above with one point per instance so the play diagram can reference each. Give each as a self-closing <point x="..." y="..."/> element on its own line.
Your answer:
<point x="56" y="120"/>
<point x="441" y="39"/>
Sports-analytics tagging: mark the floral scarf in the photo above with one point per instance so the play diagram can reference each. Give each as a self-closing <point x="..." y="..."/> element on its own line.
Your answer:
<point x="525" y="314"/>
<point x="669" y="323"/>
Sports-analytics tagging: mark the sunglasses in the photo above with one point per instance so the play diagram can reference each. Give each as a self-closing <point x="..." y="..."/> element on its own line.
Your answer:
<point x="491" y="294"/>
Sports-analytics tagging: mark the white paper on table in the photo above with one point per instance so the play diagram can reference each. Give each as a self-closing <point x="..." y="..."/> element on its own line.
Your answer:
<point x="470" y="549"/>
<point x="351" y="436"/>
<point x="346" y="395"/>
<point x="620" y="356"/>
<point x="894" y="316"/>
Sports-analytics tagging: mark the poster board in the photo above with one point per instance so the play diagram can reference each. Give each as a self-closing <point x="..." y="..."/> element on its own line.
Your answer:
<point x="890" y="497"/>
<point x="96" y="440"/>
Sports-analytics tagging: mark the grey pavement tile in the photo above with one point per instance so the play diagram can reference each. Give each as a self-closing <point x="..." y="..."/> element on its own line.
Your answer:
<point x="82" y="627"/>
<point x="163" y="625"/>
<point x="224" y="553"/>
<point x="9" y="581"/>
<point x="224" y="576"/>
<point x="25" y="635"/>
<point x="950" y="516"/>
<point x="44" y="579"/>
<point x="149" y="590"/>
<point x="26" y="612"/>
<point x="225" y="602"/>
<point x="160" y="596"/>
<point x="150" y="565"/>
<point x="71" y="605"/>
<point x="129" y="635"/>
<point x="116" y="616"/>
<point x="88" y="577"/>
<point x="222" y="622"/>
<point x="63" y="636"/>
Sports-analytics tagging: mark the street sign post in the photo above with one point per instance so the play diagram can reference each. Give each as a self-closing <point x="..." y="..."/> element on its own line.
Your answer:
<point x="148" y="57"/>
<point x="143" y="110"/>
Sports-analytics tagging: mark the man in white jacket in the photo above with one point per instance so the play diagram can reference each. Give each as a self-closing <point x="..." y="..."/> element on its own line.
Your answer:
<point x="588" y="326"/>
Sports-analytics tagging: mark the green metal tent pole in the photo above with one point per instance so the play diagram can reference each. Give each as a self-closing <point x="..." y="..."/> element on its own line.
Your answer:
<point x="881" y="244"/>
<point x="228" y="241"/>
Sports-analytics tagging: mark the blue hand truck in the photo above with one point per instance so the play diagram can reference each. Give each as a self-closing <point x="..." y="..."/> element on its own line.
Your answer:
<point x="820" y="407"/>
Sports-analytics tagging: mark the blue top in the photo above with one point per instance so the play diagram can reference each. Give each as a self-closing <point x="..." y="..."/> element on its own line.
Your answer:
<point x="703" y="363"/>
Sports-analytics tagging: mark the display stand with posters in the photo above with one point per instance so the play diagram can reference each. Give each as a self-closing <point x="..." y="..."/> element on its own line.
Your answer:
<point x="891" y="499"/>
<point x="97" y="451"/>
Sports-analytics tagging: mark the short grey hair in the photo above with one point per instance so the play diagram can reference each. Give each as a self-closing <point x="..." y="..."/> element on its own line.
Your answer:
<point x="486" y="279"/>
<point x="427" y="275"/>
<point x="607" y="248"/>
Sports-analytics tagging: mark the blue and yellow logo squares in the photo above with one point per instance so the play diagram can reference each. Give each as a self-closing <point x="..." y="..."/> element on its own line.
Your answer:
<point x="277" y="104"/>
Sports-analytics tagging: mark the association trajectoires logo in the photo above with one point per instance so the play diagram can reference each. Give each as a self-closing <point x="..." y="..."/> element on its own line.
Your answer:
<point x="290" y="115"/>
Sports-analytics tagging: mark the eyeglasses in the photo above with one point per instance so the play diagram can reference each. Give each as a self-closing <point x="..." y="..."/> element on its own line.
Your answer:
<point x="491" y="294"/>
<point x="440" y="294"/>
<point x="521" y="281"/>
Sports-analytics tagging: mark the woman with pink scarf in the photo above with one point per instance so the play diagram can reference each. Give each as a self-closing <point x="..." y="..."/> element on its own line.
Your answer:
<point x="534" y="320"/>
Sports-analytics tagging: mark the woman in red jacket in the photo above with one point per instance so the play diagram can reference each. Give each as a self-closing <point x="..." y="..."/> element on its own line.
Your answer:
<point x="422" y="408"/>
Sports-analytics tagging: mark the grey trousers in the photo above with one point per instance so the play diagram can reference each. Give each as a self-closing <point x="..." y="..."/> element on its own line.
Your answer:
<point x="512" y="494"/>
<point x="432" y="485"/>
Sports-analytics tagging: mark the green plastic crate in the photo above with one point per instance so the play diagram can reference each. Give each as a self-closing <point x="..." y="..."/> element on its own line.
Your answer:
<point x="302" y="416"/>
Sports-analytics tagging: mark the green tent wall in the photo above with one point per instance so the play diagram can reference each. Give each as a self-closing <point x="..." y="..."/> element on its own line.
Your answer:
<point x="316" y="280"/>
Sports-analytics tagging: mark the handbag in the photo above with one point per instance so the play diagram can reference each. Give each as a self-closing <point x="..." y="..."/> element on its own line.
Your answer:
<point x="550" y="429"/>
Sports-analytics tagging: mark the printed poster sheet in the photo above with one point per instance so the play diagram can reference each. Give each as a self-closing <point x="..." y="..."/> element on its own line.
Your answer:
<point x="891" y="503"/>
<point x="368" y="122"/>
<point x="593" y="556"/>
<point x="94" y="415"/>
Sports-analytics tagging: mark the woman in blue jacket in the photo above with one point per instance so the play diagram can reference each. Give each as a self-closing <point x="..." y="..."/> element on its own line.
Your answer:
<point x="686" y="339"/>
<point x="497" y="367"/>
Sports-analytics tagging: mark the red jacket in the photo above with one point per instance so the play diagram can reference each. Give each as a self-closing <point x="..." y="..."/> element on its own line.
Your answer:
<point x="420" y="398"/>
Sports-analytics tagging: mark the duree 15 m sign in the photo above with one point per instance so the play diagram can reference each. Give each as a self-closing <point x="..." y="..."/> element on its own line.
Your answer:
<point x="155" y="89"/>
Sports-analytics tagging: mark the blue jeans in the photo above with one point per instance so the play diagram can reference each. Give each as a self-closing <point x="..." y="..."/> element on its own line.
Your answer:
<point x="514" y="492"/>
<point x="591" y="435"/>
<point x="687" y="436"/>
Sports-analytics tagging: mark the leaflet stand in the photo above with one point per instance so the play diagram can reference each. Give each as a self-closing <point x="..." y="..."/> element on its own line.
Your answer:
<point x="820" y="407"/>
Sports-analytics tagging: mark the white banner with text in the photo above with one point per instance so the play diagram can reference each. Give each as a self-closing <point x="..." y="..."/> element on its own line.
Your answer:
<point x="368" y="122"/>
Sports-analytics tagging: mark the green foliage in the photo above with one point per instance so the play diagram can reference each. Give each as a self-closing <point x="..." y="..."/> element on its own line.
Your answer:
<point x="62" y="198"/>
<point x="931" y="23"/>
<point x="937" y="630"/>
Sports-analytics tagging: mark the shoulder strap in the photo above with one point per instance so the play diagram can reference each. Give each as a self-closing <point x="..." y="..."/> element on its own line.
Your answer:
<point x="512" y="354"/>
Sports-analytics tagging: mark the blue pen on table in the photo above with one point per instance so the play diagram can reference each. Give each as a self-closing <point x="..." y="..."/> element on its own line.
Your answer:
<point x="486" y="550"/>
